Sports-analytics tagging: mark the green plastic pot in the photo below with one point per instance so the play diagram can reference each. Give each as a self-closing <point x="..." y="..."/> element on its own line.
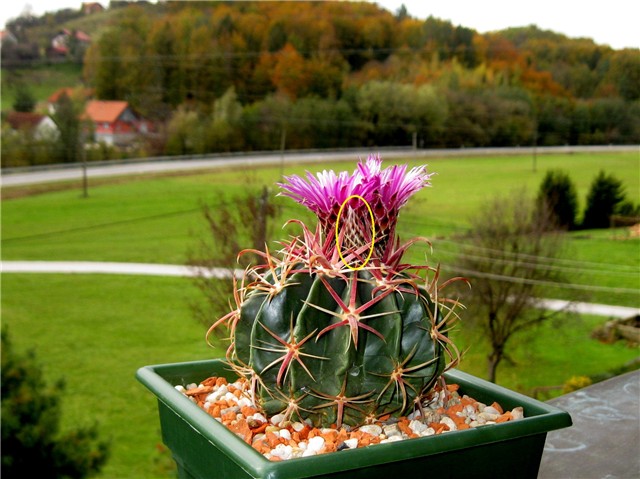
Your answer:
<point x="203" y="448"/>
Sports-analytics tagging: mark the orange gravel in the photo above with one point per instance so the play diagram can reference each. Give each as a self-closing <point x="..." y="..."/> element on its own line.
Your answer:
<point x="276" y="439"/>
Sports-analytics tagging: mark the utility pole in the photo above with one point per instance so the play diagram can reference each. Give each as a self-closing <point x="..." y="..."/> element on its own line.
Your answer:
<point x="535" y="141"/>
<point x="85" y="182"/>
<point x="283" y="140"/>
<point x="262" y="218"/>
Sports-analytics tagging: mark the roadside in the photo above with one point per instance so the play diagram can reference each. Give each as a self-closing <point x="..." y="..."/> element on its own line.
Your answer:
<point x="89" y="267"/>
<point x="74" y="171"/>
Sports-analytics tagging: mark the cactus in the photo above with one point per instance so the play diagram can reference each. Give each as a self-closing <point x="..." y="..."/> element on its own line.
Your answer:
<point x="334" y="327"/>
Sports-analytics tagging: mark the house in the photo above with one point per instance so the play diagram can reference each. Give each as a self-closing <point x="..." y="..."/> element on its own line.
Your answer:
<point x="7" y="38"/>
<point x="62" y="42"/>
<point x="89" y="8"/>
<point x="114" y="122"/>
<point x="41" y="126"/>
<point x="82" y="94"/>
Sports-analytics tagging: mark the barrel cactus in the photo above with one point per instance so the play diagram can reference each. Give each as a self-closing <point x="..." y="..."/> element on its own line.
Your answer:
<point x="334" y="327"/>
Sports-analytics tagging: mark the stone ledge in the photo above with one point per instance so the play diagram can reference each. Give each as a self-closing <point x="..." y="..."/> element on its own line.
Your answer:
<point x="604" y="441"/>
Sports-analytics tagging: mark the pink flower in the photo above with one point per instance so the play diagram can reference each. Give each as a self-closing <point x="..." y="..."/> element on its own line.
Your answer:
<point x="385" y="190"/>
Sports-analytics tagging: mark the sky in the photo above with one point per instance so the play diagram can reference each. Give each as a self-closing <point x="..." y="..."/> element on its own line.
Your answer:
<point x="611" y="22"/>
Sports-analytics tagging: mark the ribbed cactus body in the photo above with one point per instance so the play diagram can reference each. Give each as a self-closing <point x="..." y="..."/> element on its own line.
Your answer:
<point x="333" y="379"/>
<point x="335" y="327"/>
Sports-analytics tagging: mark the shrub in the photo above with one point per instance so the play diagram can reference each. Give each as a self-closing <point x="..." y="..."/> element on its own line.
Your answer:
<point x="576" y="382"/>
<point x="558" y="194"/>
<point x="31" y="443"/>
<point x="24" y="99"/>
<point x="605" y="196"/>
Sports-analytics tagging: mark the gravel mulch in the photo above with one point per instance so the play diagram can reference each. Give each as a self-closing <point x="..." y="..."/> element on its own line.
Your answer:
<point x="278" y="438"/>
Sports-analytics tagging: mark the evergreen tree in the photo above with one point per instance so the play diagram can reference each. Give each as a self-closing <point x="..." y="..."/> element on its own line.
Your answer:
<point x="604" y="197"/>
<point x="24" y="99"/>
<point x="67" y="120"/>
<point x="31" y="443"/>
<point x="558" y="195"/>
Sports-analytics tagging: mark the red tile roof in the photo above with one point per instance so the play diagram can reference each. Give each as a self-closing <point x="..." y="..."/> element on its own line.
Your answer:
<point x="55" y="96"/>
<point x="23" y="120"/>
<point x="105" y="111"/>
<point x="83" y="37"/>
<point x="70" y="92"/>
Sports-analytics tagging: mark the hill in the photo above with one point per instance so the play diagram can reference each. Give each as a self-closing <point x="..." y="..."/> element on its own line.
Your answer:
<point x="224" y="76"/>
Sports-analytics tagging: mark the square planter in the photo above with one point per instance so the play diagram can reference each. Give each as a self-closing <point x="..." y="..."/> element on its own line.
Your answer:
<point x="204" y="448"/>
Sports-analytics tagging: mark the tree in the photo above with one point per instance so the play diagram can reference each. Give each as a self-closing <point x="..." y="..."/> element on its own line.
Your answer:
<point x="625" y="73"/>
<point x="24" y="99"/>
<point x="67" y="119"/>
<point x="236" y="223"/>
<point x="32" y="445"/>
<point x="605" y="195"/>
<point x="508" y="258"/>
<point x="223" y="132"/>
<point x="558" y="195"/>
<point x="290" y="74"/>
<point x="395" y="111"/>
<point x="184" y="133"/>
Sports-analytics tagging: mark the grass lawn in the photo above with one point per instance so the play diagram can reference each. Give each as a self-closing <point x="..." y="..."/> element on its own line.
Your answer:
<point x="96" y="330"/>
<point x="158" y="219"/>
<point x="547" y="356"/>
<point x="41" y="82"/>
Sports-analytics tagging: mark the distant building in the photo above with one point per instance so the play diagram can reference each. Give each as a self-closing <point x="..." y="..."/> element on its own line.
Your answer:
<point x="82" y="94"/>
<point x="41" y="126"/>
<point x="61" y="43"/>
<point x="7" y="38"/>
<point x="89" y="8"/>
<point x="114" y="122"/>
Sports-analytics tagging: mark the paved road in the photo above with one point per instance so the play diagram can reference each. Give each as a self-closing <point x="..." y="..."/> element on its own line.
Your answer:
<point x="97" y="267"/>
<point x="52" y="173"/>
<point x="90" y="267"/>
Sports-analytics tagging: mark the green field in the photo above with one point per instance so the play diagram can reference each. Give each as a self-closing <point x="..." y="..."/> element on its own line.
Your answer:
<point x="96" y="330"/>
<point x="158" y="220"/>
<point x="41" y="82"/>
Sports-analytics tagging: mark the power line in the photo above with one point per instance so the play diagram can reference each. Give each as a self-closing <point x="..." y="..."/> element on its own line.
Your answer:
<point x="547" y="267"/>
<point x="514" y="279"/>
<point x="98" y="226"/>
<point x="560" y="263"/>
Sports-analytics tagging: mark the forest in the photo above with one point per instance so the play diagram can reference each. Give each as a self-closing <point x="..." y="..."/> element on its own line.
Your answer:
<point x="247" y="76"/>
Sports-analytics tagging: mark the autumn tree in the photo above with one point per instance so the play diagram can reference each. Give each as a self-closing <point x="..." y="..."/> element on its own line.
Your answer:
<point x="508" y="257"/>
<point x="290" y="74"/>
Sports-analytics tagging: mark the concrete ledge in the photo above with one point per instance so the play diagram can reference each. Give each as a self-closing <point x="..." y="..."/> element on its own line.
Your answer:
<point x="604" y="441"/>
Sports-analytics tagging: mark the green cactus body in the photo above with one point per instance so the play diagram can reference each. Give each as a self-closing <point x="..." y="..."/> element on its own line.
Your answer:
<point x="374" y="378"/>
<point x="332" y="338"/>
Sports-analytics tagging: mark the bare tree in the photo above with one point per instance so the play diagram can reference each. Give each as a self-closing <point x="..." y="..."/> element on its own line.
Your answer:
<point x="232" y="225"/>
<point x="509" y="260"/>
